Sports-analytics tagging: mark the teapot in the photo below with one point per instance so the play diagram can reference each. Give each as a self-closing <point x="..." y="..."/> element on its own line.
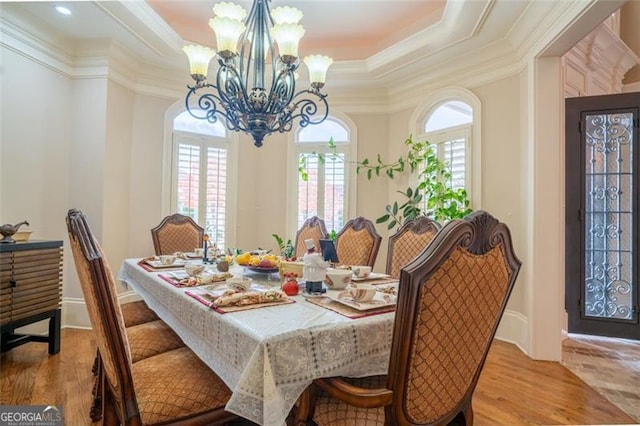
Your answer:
<point x="8" y="230"/>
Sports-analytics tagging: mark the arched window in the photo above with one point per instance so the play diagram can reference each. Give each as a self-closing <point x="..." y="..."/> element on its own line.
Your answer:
<point x="201" y="165"/>
<point x="325" y="192"/>
<point x="449" y="120"/>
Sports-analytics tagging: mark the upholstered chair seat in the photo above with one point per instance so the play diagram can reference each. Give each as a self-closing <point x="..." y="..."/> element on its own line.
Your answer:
<point x="150" y="339"/>
<point x="163" y="395"/>
<point x="333" y="412"/>
<point x="136" y="313"/>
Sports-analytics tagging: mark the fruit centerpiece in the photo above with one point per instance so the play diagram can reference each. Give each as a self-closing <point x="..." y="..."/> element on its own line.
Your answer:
<point x="259" y="262"/>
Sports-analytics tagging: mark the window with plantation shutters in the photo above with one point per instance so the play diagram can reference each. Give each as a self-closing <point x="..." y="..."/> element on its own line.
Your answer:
<point x="451" y="147"/>
<point x="201" y="176"/>
<point x="449" y="119"/>
<point x="448" y="128"/>
<point x="324" y="192"/>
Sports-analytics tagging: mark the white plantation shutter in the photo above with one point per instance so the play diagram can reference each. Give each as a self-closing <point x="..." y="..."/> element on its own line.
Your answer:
<point x="308" y="191"/>
<point x="216" y="194"/>
<point x="452" y="146"/>
<point x="188" y="180"/>
<point x="453" y="152"/>
<point x="201" y="182"/>
<point x="334" y="189"/>
<point x="323" y="194"/>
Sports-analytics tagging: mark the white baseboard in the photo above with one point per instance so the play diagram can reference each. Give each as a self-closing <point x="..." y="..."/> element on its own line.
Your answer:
<point x="74" y="311"/>
<point x="514" y="328"/>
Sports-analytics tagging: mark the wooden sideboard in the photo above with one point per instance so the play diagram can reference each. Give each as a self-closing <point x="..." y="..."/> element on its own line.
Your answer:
<point x="30" y="291"/>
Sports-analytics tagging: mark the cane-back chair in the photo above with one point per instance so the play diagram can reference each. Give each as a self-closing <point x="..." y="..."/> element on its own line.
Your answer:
<point x="408" y="242"/>
<point x="450" y="301"/>
<point x="358" y="242"/>
<point x="312" y="229"/>
<point x="177" y="233"/>
<point x="169" y="388"/>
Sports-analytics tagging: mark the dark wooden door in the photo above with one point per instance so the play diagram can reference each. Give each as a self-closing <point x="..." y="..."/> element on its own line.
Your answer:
<point x="602" y="220"/>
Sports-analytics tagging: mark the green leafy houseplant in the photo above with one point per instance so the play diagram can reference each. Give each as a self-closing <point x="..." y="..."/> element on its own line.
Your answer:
<point x="442" y="202"/>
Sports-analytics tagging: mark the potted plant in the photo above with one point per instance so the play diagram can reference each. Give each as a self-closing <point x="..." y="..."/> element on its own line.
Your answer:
<point x="441" y="202"/>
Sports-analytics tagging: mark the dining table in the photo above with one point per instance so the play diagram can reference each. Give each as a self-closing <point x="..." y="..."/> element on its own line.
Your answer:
<point x="269" y="355"/>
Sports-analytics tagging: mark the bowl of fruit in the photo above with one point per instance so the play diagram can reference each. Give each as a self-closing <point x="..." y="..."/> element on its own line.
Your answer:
<point x="263" y="262"/>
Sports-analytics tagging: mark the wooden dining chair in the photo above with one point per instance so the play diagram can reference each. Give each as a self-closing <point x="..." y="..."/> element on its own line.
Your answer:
<point x="450" y="301"/>
<point x="358" y="242"/>
<point x="408" y="242"/>
<point x="313" y="228"/>
<point x="174" y="387"/>
<point x="147" y="337"/>
<point x="177" y="233"/>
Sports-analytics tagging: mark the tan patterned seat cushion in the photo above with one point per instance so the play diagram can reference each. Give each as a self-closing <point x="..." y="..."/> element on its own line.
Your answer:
<point x="138" y="312"/>
<point x="176" y="384"/>
<point x="150" y="339"/>
<point x="332" y="412"/>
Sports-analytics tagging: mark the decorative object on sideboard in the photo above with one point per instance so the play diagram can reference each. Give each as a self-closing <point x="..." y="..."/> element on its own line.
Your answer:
<point x="8" y="230"/>
<point x="255" y="87"/>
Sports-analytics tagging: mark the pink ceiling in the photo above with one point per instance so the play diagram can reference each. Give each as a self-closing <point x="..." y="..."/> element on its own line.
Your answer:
<point x="343" y="29"/>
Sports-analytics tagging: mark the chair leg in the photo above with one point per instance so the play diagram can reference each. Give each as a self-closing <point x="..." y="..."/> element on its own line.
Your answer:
<point x="468" y="415"/>
<point x="95" y="413"/>
<point x="110" y="415"/>
<point x="306" y="407"/>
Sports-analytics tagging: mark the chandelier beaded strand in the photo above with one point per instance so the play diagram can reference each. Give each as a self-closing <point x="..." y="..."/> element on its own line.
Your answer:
<point x="254" y="91"/>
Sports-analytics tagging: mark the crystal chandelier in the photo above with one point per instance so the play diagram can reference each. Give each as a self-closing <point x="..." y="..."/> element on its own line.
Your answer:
<point x="255" y="87"/>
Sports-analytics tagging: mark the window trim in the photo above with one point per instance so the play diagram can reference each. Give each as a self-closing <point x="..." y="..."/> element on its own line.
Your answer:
<point x="293" y="149"/>
<point x="428" y="106"/>
<point x="168" y="177"/>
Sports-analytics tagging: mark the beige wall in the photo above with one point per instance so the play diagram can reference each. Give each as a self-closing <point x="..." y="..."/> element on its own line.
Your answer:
<point x="145" y="174"/>
<point x="501" y="166"/>
<point x="117" y="160"/>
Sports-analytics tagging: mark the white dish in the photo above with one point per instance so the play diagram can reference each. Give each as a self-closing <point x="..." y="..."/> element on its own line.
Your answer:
<point x="372" y="276"/>
<point x="380" y="300"/>
<point x="178" y="263"/>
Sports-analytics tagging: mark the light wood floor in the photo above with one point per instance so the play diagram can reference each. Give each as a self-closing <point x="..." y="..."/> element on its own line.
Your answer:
<point x="513" y="389"/>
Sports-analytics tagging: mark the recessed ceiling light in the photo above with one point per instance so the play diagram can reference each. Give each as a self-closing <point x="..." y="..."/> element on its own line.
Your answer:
<point x="63" y="10"/>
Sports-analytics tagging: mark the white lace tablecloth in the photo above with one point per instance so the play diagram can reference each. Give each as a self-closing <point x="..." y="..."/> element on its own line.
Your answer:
<point x="268" y="356"/>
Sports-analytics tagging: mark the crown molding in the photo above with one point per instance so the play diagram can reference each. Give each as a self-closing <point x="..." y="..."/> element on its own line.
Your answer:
<point x="631" y="87"/>
<point x="140" y="20"/>
<point x="460" y="21"/>
<point x="22" y="41"/>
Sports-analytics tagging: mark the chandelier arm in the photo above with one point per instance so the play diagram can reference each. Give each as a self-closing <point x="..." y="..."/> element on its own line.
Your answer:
<point x="232" y="96"/>
<point x="206" y="103"/>
<point x="282" y="90"/>
<point x="308" y="108"/>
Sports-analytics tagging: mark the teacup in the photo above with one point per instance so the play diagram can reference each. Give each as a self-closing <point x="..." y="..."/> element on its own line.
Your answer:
<point x="167" y="259"/>
<point x="362" y="292"/>
<point x="194" y="269"/>
<point x="199" y="252"/>
<point x="361" y="271"/>
<point x="337" y="279"/>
